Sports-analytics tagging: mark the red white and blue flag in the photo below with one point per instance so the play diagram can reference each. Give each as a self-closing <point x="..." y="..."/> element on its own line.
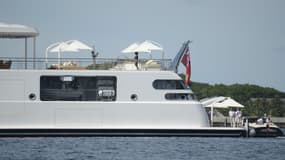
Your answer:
<point x="187" y="63"/>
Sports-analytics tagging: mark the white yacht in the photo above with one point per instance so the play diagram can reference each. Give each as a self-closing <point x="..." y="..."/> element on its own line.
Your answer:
<point x="62" y="102"/>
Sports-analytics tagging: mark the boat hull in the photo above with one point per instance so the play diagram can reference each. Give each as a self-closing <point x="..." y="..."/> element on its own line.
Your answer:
<point x="266" y="132"/>
<point x="201" y="132"/>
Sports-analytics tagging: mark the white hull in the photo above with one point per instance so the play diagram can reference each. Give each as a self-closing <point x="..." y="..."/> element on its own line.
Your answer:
<point x="150" y="111"/>
<point x="101" y="115"/>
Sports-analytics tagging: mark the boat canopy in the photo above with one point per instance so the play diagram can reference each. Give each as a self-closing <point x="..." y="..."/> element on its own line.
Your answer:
<point x="20" y="31"/>
<point x="221" y="102"/>
<point x="17" y="31"/>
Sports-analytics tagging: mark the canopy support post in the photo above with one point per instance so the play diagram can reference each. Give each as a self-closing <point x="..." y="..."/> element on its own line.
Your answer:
<point x="212" y="116"/>
<point x="26" y="52"/>
<point x="34" y="57"/>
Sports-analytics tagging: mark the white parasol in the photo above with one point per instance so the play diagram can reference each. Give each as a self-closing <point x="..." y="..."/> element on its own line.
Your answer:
<point x="67" y="46"/>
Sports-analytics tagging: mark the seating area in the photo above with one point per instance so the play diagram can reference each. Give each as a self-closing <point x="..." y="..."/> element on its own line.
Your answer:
<point x="70" y="65"/>
<point x="5" y="64"/>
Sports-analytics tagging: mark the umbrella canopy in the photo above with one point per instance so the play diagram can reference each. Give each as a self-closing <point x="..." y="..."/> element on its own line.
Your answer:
<point x="148" y="46"/>
<point x="71" y="46"/>
<point x="130" y="48"/>
<point x="144" y="47"/>
<point x="63" y="47"/>
<point x="75" y="44"/>
<point x="68" y="46"/>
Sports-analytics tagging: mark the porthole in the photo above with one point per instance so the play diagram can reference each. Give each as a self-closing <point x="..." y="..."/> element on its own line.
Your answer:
<point x="134" y="97"/>
<point x="32" y="96"/>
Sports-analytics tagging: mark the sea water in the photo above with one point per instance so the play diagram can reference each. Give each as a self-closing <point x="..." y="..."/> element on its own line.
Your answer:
<point x="137" y="148"/>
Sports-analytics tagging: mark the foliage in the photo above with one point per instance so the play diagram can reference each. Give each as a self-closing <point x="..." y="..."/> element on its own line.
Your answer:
<point x="257" y="100"/>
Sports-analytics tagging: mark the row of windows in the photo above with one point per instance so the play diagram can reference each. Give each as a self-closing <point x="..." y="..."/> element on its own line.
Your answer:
<point x="76" y="88"/>
<point x="96" y="88"/>
<point x="169" y="84"/>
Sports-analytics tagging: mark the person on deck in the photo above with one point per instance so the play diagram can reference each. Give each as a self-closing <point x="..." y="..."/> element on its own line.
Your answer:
<point x="238" y="118"/>
<point x="136" y="58"/>
<point x="232" y="117"/>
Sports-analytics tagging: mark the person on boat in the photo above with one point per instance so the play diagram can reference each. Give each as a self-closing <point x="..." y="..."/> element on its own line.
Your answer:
<point x="232" y="117"/>
<point x="238" y="117"/>
<point x="136" y="58"/>
<point x="264" y="118"/>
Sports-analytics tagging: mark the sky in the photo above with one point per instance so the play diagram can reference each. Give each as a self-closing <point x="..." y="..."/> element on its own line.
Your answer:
<point x="234" y="41"/>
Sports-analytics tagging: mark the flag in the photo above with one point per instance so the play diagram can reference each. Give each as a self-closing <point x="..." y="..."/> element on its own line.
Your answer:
<point x="187" y="63"/>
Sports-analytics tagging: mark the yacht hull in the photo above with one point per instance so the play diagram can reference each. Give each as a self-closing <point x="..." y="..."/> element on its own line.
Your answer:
<point x="202" y="132"/>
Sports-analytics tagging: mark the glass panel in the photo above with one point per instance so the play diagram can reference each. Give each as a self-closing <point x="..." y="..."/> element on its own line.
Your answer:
<point x="169" y="84"/>
<point x="179" y="96"/>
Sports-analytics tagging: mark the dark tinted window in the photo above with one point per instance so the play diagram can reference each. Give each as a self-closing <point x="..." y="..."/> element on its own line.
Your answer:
<point x="78" y="88"/>
<point x="179" y="96"/>
<point x="169" y="84"/>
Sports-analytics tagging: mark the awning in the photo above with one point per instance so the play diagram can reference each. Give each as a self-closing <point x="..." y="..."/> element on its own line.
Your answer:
<point x="221" y="102"/>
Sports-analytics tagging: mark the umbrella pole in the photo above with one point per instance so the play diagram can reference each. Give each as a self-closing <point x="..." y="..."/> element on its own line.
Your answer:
<point x="58" y="59"/>
<point x="26" y="52"/>
<point x="212" y="116"/>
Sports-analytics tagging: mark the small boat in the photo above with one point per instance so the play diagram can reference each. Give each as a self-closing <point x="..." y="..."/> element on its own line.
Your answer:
<point x="261" y="128"/>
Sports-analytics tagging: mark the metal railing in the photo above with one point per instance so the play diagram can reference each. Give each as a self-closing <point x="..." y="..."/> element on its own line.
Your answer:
<point x="82" y="63"/>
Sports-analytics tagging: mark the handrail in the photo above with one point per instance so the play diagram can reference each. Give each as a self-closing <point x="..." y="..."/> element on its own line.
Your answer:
<point x="86" y="63"/>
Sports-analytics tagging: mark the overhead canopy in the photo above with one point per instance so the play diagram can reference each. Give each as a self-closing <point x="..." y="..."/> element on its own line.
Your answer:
<point x="20" y="31"/>
<point x="220" y="102"/>
<point x="227" y="103"/>
<point x="144" y="47"/>
<point x="17" y="31"/>
<point x="207" y="102"/>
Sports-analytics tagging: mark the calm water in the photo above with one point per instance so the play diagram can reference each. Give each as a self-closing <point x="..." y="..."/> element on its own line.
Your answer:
<point x="136" y="148"/>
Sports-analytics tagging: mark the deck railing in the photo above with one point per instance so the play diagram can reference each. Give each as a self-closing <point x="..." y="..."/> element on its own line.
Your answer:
<point x="83" y="63"/>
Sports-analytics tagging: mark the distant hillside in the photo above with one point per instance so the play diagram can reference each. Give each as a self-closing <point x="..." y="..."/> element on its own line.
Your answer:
<point x="240" y="92"/>
<point x="256" y="99"/>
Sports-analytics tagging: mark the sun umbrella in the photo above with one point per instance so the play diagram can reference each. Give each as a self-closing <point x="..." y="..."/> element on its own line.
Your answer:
<point x="130" y="48"/>
<point x="67" y="46"/>
<point x="148" y="46"/>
